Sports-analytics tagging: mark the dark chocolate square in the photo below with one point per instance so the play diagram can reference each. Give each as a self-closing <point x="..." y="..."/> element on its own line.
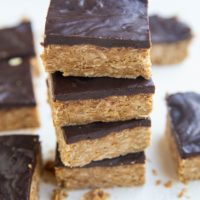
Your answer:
<point x="18" y="156"/>
<point x="17" y="41"/>
<point x="107" y="23"/>
<point x="16" y="87"/>
<point x="184" y="115"/>
<point x="79" y="88"/>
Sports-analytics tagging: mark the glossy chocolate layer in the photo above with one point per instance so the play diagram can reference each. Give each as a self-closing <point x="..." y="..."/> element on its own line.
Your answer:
<point x="73" y="134"/>
<point x="168" y="30"/>
<point x="16" y="41"/>
<point x="129" y="159"/>
<point x="107" y="23"/>
<point x="78" y="88"/>
<point x="184" y="113"/>
<point x="18" y="158"/>
<point x="16" y="88"/>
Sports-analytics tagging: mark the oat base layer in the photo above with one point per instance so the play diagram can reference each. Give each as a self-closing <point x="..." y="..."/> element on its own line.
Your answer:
<point x="94" y="61"/>
<point x="168" y="54"/>
<point x="19" y="118"/>
<point x="101" y="177"/>
<point x="113" y="108"/>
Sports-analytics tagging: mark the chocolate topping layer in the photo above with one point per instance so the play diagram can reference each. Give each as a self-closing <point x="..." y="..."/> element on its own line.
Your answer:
<point x="107" y="23"/>
<point x="16" y="41"/>
<point x="129" y="159"/>
<point x="168" y="30"/>
<point x="78" y="88"/>
<point x="184" y="113"/>
<point x="73" y="134"/>
<point x="18" y="160"/>
<point x="16" y="88"/>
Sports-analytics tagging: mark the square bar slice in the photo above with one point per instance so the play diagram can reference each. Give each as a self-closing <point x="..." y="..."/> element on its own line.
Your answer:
<point x="20" y="167"/>
<point x="123" y="171"/>
<point x="95" y="38"/>
<point x="18" y="109"/>
<point x="80" y="145"/>
<point x="78" y="100"/>
<point x="183" y="132"/>
<point x="170" y="39"/>
<point x="18" y="42"/>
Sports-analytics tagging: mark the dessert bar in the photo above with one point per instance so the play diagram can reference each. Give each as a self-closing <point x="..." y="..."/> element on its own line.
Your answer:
<point x="20" y="157"/>
<point x="18" y="42"/>
<point x="77" y="100"/>
<point x="124" y="171"/>
<point x="183" y="133"/>
<point x="95" y="38"/>
<point x="170" y="40"/>
<point x="102" y="140"/>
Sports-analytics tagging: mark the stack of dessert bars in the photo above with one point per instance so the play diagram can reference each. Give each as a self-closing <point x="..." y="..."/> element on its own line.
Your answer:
<point x="97" y="54"/>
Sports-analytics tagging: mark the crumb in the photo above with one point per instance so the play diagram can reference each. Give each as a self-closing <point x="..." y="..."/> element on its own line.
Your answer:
<point x="182" y="192"/>
<point x="25" y="19"/>
<point x="168" y="184"/>
<point x="158" y="182"/>
<point x="154" y="172"/>
<point x="29" y="166"/>
<point x="185" y="182"/>
<point x="59" y="194"/>
<point x="97" y="194"/>
<point x="49" y="172"/>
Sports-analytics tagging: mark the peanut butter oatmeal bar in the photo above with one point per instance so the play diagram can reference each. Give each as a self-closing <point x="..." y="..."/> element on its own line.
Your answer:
<point x="18" y="42"/>
<point x="183" y="133"/>
<point x="123" y="171"/>
<point x="77" y="100"/>
<point x="170" y="40"/>
<point x="102" y="140"/>
<point x="20" y="164"/>
<point x="95" y="38"/>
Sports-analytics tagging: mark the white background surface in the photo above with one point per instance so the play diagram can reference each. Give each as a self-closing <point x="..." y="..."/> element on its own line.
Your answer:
<point x="183" y="77"/>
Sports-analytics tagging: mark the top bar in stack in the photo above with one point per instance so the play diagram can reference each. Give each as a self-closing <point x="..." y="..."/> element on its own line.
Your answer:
<point x="96" y="38"/>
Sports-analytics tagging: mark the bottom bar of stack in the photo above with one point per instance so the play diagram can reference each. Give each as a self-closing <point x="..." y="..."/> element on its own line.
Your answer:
<point x="123" y="171"/>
